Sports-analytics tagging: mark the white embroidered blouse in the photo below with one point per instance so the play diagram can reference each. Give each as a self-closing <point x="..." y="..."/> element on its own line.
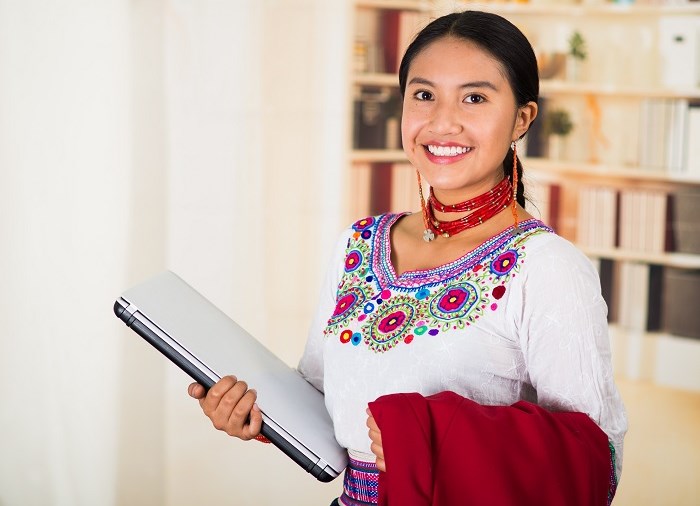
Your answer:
<point x="518" y="318"/>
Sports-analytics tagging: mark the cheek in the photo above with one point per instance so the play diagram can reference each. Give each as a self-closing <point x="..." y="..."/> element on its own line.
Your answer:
<point x="411" y="124"/>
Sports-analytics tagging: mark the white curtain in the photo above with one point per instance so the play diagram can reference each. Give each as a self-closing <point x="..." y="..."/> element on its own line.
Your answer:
<point x="203" y="136"/>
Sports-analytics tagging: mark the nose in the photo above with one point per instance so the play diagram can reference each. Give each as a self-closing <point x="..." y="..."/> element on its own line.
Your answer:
<point x="445" y="119"/>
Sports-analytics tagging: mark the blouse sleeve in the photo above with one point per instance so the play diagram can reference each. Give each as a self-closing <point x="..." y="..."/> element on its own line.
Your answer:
<point x="311" y="363"/>
<point x="563" y="333"/>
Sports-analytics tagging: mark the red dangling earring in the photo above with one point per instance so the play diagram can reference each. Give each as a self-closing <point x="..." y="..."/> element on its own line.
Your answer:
<point x="514" y="179"/>
<point x="428" y="234"/>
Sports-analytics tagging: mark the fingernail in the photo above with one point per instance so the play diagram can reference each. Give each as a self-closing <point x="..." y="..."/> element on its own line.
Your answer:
<point x="255" y="407"/>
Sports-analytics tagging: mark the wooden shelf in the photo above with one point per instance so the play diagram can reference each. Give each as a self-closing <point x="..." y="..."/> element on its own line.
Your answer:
<point x="376" y="79"/>
<point x="677" y="260"/>
<point x="406" y="5"/>
<point x="514" y="8"/>
<point x="560" y="88"/>
<point x="563" y="87"/>
<point x="555" y="169"/>
<point x="577" y="10"/>
<point x="378" y="155"/>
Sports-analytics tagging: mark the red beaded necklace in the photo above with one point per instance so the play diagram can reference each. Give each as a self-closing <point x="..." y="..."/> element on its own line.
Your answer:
<point x="480" y="208"/>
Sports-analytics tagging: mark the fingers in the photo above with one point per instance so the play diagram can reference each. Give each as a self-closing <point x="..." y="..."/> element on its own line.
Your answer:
<point x="375" y="436"/>
<point x="196" y="390"/>
<point x="255" y="424"/>
<point x="228" y="404"/>
<point x="374" y="433"/>
<point x="238" y="423"/>
<point x="372" y="423"/>
<point x="378" y="450"/>
<point x="381" y="465"/>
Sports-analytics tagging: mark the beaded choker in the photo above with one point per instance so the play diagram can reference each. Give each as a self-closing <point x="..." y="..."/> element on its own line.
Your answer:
<point x="480" y="209"/>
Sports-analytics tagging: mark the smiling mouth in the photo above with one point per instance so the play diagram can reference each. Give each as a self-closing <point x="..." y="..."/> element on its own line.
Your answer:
<point x="447" y="150"/>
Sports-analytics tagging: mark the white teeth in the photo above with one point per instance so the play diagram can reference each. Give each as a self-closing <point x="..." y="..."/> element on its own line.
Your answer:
<point x="447" y="150"/>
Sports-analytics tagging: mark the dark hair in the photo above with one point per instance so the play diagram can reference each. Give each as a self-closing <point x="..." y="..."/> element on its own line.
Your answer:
<point x="502" y="40"/>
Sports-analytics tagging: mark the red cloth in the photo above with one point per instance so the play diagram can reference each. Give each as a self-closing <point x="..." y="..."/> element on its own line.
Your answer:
<point x="447" y="450"/>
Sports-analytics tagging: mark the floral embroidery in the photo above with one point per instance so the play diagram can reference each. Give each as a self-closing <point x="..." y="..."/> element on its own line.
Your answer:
<point x="353" y="260"/>
<point x="348" y="305"/>
<point x="345" y="336"/>
<point x="391" y="323"/>
<point x="381" y="310"/>
<point x="363" y="224"/>
<point x="498" y="292"/>
<point x="459" y="303"/>
<point x="504" y="263"/>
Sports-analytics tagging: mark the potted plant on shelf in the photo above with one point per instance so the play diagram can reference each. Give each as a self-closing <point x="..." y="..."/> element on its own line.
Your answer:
<point x="577" y="55"/>
<point x="558" y="126"/>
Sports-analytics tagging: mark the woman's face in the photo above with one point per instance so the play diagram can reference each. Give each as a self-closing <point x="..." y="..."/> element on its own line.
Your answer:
<point x="459" y="118"/>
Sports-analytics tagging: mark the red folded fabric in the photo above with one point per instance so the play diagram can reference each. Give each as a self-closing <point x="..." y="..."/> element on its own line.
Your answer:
<point x="448" y="450"/>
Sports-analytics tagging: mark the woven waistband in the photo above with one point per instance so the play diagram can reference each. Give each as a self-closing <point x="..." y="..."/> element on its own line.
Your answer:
<point x="361" y="483"/>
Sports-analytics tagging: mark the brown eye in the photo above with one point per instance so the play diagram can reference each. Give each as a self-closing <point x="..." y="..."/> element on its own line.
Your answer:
<point x="474" y="99"/>
<point x="423" y="95"/>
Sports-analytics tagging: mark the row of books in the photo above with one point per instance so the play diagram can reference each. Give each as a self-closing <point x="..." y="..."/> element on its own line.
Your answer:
<point x="651" y="298"/>
<point x="668" y="139"/>
<point x="640" y="296"/>
<point x="376" y="188"/>
<point x="640" y="220"/>
<point x="598" y="2"/>
<point x="382" y="36"/>
<point x="631" y="219"/>
<point x="669" y="136"/>
<point x="377" y="118"/>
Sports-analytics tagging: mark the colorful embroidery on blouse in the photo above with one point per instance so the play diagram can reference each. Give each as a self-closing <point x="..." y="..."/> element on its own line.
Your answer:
<point x="376" y="308"/>
<point x="613" y="474"/>
<point x="361" y="483"/>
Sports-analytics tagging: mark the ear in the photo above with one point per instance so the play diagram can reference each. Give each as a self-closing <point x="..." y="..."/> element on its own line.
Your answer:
<point x="524" y="117"/>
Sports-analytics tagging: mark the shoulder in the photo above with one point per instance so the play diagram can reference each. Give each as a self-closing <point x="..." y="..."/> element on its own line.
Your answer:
<point x="551" y="251"/>
<point x="552" y="264"/>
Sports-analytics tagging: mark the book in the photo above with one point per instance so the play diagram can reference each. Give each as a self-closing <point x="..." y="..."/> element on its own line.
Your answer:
<point x="692" y="155"/>
<point x="680" y="316"/>
<point x="597" y="216"/>
<point x="367" y="50"/>
<point x="679" y="50"/>
<point x="377" y="113"/>
<point x="380" y="188"/>
<point x="633" y="293"/>
<point x="359" y="184"/>
<point x="390" y="39"/>
<point x="676" y="136"/>
<point x="409" y="24"/>
<point x="685" y="220"/>
<point x="643" y="220"/>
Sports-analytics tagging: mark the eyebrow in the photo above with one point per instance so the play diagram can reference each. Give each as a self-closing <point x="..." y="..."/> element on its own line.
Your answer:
<point x="472" y="84"/>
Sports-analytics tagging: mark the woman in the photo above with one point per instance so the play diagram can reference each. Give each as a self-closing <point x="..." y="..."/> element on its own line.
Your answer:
<point x="472" y="295"/>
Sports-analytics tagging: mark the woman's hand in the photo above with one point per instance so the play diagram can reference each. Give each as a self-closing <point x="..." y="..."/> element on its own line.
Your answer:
<point x="376" y="436"/>
<point x="230" y="406"/>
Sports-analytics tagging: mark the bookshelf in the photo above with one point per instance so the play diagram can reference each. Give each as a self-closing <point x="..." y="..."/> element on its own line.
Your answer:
<point x="625" y="186"/>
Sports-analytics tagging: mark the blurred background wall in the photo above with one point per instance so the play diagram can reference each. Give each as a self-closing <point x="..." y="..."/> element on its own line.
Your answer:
<point x="137" y="135"/>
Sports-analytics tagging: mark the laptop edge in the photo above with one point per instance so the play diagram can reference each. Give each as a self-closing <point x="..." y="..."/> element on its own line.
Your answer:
<point x="145" y="328"/>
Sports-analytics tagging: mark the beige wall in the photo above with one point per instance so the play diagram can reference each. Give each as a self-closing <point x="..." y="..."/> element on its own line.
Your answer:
<point x="201" y="136"/>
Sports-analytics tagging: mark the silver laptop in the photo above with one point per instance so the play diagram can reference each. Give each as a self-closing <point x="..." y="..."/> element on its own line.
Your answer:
<point x="207" y="345"/>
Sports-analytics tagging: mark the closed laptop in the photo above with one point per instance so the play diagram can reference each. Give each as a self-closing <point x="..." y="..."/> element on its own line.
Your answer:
<point x="207" y="344"/>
